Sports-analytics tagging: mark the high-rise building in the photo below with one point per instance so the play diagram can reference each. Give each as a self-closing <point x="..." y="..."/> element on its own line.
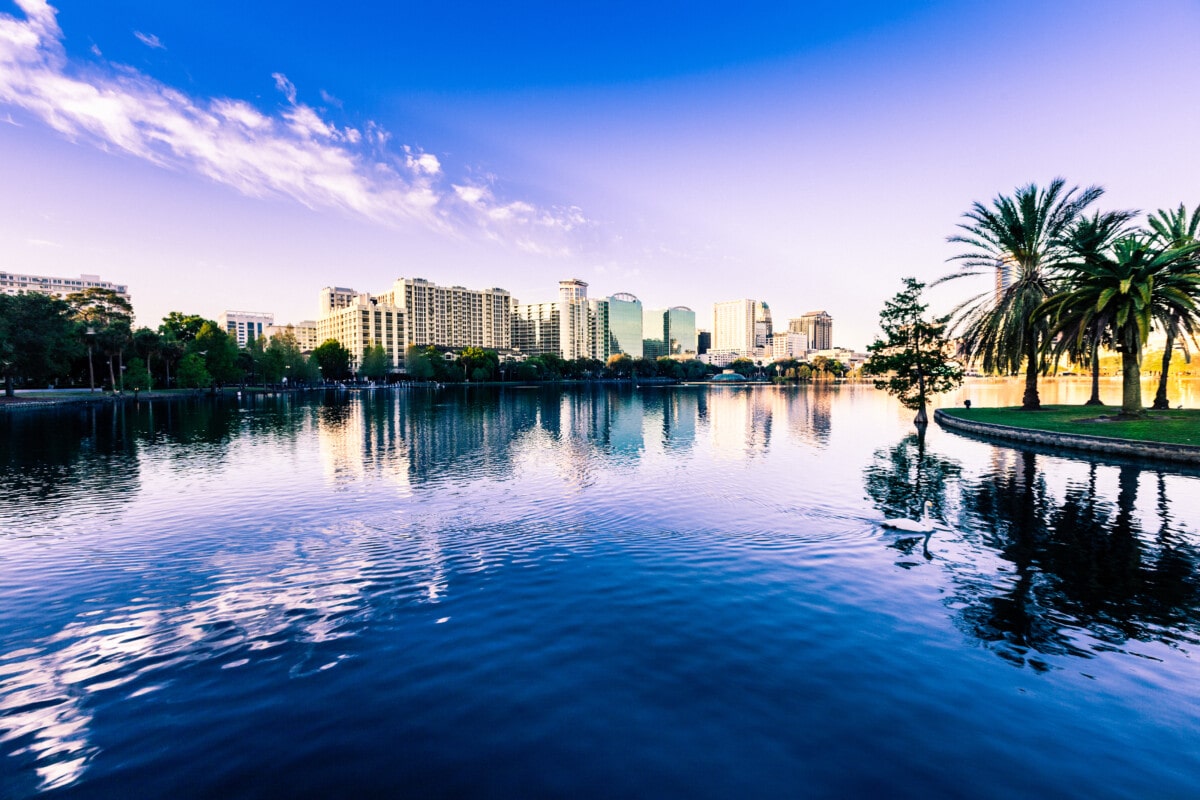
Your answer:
<point x="573" y="327"/>
<point x="12" y="283"/>
<point x="245" y="326"/>
<point x="625" y="325"/>
<point x="733" y="326"/>
<point x="703" y="342"/>
<point x="365" y="323"/>
<point x="1005" y="273"/>
<point x="680" y="331"/>
<point x="818" y="325"/>
<point x="535" y="328"/>
<point x="452" y="316"/>
<point x="654" y="341"/>
<point x="574" y="330"/>
<point x="599" y="333"/>
<point x="762" y="324"/>
<point x="415" y="312"/>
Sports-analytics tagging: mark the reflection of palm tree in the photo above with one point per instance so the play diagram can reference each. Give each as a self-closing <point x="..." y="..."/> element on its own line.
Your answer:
<point x="1076" y="564"/>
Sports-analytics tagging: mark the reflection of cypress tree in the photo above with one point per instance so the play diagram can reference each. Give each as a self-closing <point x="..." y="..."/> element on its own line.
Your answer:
<point x="901" y="479"/>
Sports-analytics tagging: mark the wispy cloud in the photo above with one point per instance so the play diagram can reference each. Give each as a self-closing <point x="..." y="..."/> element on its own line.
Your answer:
<point x="293" y="152"/>
<point x="148" y="39"/>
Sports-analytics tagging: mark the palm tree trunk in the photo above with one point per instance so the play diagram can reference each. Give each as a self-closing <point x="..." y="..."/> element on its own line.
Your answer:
<point x="1131" y="382"/>
<point x="1094" y="400"/>
<point x="112" y="378"/>
<point x="1160" y="398"/>
<point x="1030" y="401"/>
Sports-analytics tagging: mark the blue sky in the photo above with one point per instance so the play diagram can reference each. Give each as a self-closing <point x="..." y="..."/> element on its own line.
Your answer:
<point x="241" y="156"/>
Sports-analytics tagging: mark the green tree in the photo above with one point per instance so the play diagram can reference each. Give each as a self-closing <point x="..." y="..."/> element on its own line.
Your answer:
<point x="106" y="320"/>
<point x="137" y="376"/>
<point x="620" y="365"/>
<point x="192" y="372"/>
<point x="1172" y="229"/>
<point x="474" y="360"/>
<point x="182" y="327"/>
<point x="417" y="363"/>
<point x="804" y="372"/>
<point x="913" y="359"/>
<point x="1139" y="281"/>
<point x="375" y="365"/>
<point x="333" y="359"/>
<point x="38" y="338"/>
<point x="743" y="366"/>
<point x="220" y="352"/>
<point x="1024" y="236"/>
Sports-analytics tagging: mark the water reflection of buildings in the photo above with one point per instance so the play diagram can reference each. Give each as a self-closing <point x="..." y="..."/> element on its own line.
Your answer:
<point x="47" y="688"/>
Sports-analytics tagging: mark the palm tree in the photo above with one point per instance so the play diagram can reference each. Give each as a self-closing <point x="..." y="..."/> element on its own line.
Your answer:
<point x="1089" y="238"/>
<point x="1026" y="237"/>
<point x="1172" y="229"/>
<point x="1137" y="282"/>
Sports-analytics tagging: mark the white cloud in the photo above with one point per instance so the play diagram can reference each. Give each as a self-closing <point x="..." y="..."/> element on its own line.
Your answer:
<point x="296" y="153"/>
<point x="150" y="40"/>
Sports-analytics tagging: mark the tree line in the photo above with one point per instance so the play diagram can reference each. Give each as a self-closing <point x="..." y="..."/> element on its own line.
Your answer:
<point x="88" y="340"/>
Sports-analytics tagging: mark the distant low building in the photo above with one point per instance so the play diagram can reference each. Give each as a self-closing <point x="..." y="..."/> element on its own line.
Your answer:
<point x="245" y="326"/>
<point x="788" y="345"/>
<point x="13" y="283"/>
<point x="305" y="332"/>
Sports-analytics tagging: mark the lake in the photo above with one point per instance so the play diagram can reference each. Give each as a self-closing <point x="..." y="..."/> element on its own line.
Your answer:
<point x="594" y="592"/>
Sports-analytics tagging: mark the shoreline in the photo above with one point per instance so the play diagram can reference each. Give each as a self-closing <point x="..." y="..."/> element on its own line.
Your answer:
<point x="1095" y="445"/>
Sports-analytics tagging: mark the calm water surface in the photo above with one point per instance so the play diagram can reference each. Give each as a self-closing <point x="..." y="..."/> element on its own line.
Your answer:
<point x="666" y="592"/>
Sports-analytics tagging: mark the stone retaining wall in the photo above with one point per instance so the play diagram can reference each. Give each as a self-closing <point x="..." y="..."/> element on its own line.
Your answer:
<point x="1126" y="448"/>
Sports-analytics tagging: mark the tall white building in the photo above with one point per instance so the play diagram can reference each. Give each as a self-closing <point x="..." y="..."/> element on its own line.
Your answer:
<point x="762" y="324"/>
<point x="245" y="326"/>
<point x="365" y="322"/>
<point x="12" y="283"/>
<point x="571" y="327"/>
<point x="415" y="312"/>
<point x="818" y="325"/>
<point x="734" y="326"/>
<point x="453" y="316"/>
<point x="788" y="345"/>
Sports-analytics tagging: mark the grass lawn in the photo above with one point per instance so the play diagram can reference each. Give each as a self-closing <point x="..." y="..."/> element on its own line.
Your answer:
<point x="1177" y="426"/>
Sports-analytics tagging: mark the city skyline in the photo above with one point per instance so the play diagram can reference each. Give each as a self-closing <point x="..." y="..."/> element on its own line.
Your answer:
<point x="809" y="158"/>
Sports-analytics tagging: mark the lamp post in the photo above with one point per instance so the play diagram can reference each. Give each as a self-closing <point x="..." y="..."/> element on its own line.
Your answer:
<point x="91" y="337"/>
